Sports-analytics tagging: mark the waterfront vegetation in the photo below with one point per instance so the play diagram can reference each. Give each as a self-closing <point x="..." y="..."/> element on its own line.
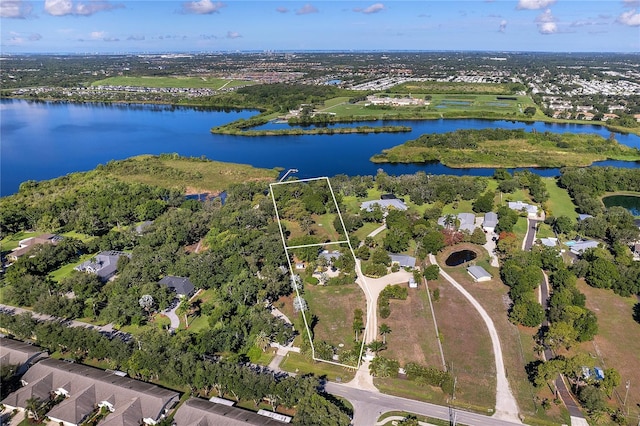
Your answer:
<point x="507" y="148"/>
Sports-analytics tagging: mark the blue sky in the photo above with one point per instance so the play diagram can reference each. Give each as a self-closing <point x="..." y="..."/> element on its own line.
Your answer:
<point x="111" y="26"/>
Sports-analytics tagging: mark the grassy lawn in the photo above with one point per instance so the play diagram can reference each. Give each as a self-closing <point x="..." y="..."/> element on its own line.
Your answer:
<point x="10" y="242"/>
<point x="77" y="235"/>
<point x="300" y="364"/>
<point x="617" y="343"/>
<point x="413" y="336"/>
<point x="517" y="343"/>
<point x="334" y="307"/>
<point x="410" y="389"/>
<point x="366" y="229"/>
<point x="178" y="82"/>
<point x="559" y="203"/>
<point x="467" y="347"/>
<point x="67" y="269"/>
<point x="520" y="228"/>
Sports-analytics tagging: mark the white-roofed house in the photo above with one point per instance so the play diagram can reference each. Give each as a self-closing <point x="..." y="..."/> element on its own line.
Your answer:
<point x="532" y="211"/>
<point x="478" y="273"/>
<point x="490" y="221"/>
<point x="579" y="247"/>
<point x="466" y="222"/>
<point x="393" y="203"/>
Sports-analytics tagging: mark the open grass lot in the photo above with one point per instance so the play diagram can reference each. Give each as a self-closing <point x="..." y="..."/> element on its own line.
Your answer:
<point x="410" y="389"/>
<point x="334" y="307"/>
<point x="516" y="351"/>
<point x="191" y="174"/>
<point x="413" y="336"/>
<point x="559" y="203"/>
<point x="300" y="364"/>
<point x="467" y="348"/>
<point x="177" y="82"/>
<point x="617" y="343"/>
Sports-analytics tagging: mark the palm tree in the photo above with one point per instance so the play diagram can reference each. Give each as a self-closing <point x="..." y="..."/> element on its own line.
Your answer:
<point x="263" y="341"/>
<point x="376" y="346"/>
<point x="384" y="329"/>
<point x="183" y="309"/>
<point x="33" y="406"/>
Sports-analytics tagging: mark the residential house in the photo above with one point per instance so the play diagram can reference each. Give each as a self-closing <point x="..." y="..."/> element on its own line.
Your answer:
<point x="330" y="255"/>
<point x="200" y="412"/>
<point x="583" y="216"/>
<point x="635" y="250"/>
<point x="532" y="211"/>
<point x="104" y="264"/>
<point x="403" y="260"/>
<point x="578" y="247"/>
<point x="86" y="389"/>
<point x="465" y="221"/>
<point x="478" y="273"/>
<point x="180" y="285"/>
<point x="394" y="203"/>
<point x="490" y="222"/>
<point x="549" y="242"/>
<point x="26" y="245"/>
<point x="19" y="354"/>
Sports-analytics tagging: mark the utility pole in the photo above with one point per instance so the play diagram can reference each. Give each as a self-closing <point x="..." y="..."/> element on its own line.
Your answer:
<point x="626" y="394"/>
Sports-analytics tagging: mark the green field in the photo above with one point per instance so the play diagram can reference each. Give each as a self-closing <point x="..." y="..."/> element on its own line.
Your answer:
<point x="447" y="87"/>
<point x="299" y="364"/>
<point x="173" y="82"/>
<point x="559" y="203"/>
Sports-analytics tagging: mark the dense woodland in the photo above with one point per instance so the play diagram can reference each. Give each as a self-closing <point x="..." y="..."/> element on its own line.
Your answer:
<point x="240" y="264"/>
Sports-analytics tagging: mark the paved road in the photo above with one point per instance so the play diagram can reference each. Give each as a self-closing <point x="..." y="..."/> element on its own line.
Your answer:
<point x="506" y="405"/>
<point x="368" y="406"/>
<point x="530" y="238"/>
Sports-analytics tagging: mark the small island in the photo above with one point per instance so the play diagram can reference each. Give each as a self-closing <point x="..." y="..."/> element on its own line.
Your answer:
<point x="508" y="148"/>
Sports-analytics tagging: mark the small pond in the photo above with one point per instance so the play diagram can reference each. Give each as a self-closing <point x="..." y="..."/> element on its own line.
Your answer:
<point x="459" y="257"/>
<point x="629" y="202"/>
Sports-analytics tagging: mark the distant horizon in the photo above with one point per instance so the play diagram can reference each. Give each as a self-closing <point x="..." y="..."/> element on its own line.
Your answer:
<point x="216" y="52"/>
<point x="159" y="26"/>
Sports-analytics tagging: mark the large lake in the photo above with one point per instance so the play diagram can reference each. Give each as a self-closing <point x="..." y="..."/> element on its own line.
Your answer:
<point x="43" y="140"/>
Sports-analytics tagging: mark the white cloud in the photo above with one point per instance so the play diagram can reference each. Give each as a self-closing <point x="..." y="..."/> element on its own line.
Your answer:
<point x="97" y="35"/>
<point x="16" y="9"/>
<point x="534" y="4"/>
<point x="306" y="9"/>
<point x="547" y="28"/>
<point x="66" y="7"/>
<point x="374" y="8"/>
<point x="202" y="7"/>
<point x="631" y="3"/>
<point x="547" y="23"/>
<point x="58" y="7"/>
<point x="282" y="9"/>
<point x="503" y="26"/>
<point x="233" y="34"/>
<point x="630" y="18"/>
<point x="545" y="16"/>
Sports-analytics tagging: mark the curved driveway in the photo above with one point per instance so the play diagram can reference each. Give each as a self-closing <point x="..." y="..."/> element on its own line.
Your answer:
<point x="506" y="405"/>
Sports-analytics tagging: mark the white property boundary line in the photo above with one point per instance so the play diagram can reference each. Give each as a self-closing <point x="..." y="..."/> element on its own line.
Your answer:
<point x="365" y="287"/>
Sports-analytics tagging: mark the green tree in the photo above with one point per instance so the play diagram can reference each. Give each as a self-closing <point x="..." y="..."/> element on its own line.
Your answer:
<point x="376" y="346"/>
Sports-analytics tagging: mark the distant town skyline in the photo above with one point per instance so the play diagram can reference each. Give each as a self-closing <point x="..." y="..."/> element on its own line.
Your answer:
<point x="152" y="26"/>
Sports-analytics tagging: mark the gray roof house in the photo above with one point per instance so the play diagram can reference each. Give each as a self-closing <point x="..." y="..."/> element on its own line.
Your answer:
<point x="19" y="354"/>
<point x="104" y="265"/>
<point x="579" y="247"/>
<point x="520" y="206"/>
<point x="330" y="255"/>
<point x="403" y="260"/>
<point x="200" y="412"/>
<point x="130" y="402"/>
<point x="490" y="221"/>
<point x="181" y="285"/>
<point x="467" y="221"/>
<point x="393" y="203"/>
<point x="478" y="273"/>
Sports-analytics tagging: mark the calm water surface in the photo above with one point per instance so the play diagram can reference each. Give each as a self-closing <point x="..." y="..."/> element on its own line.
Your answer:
<point x="46" y="140"/>
<point x="629" y="202"/>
